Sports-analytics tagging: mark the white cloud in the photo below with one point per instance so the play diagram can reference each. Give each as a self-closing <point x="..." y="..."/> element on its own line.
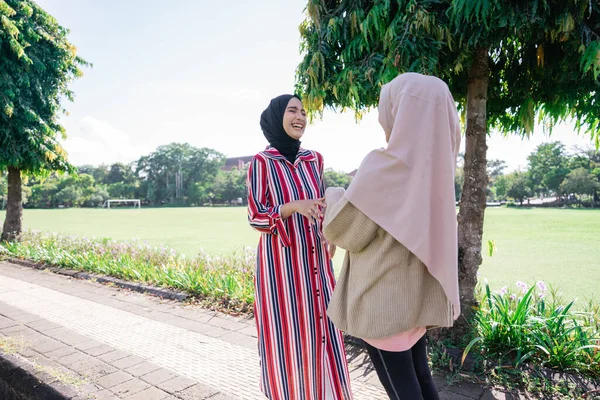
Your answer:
<point x="98" y="142"/>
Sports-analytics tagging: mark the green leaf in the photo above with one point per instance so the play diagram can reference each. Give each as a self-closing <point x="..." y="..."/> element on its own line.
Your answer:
<point x="491" y="247"/>
<point x="469" y="347"/>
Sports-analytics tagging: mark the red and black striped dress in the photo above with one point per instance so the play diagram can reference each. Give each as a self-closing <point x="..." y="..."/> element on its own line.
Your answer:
<point x="302" y="354"/>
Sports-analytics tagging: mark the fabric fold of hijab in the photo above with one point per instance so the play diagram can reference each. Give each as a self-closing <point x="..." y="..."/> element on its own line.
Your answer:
<point x="271" y="123"/>
<point x="408" y="187"/>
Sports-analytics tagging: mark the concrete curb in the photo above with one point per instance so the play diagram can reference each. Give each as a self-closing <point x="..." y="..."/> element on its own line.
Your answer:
<point x="136" y="287"/>
<point x="20" y="381"/>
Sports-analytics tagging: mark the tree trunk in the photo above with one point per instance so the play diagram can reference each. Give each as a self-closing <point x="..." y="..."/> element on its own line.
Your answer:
<point x="14" y="207"/>
<point x="472" y="203"/>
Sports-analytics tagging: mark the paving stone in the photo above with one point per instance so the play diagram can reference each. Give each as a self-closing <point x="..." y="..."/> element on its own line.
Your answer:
<point x="186" y="311"/>
<point x="467" y="389"/>
<point x="74" y="358"/>
<point x="493" y="394"/>
<point x="249" y="330"/>
<point x="160" y="316"/>
<point x="46" y="345"/>
<point x="373" y="380"/>
<point x="89" y="388"/>
<point x="132" y="308"/>
<point x="93" y="369"/>
<point x="142" y="369"/>
<point x="111" y="380"/>
<point x="99" y="350"/>
<point x="157" y="377"/>
<point x="129" y="388"/>
<point x="193" y="326"/>
<point x="151" y="393"/>
<point x="240" y="340"/>
<point x="448" y="395"/>
<point x="88" y="344"/>
<point x="102" y="395"/>
<point x="113" y="356"/>
<point x="67" y="336"/>
<point x="26" y="318"/>
<point x="61" y="352"/>
<point x="28" y="352"/>
<point x="440" y="382"/>
<point x="127" y="362"/>
<point x="10" y="311"/>
<point x="222" y="396"/>
<point x="226" y="323"/>
<point x="17" y="330"/>
<point x="196" y="392"/>
<point x="7" y="323"/>
<point x="216" y="332"/>
<point x="49" y="365"/>
<point x="42" y="325"/>
<point x="176" y="384"/>
<point x="203" y="318"/>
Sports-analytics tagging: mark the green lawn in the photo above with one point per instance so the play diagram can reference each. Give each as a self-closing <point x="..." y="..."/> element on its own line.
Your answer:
<point x="561" y="247"/>
<point x="188" y="230"/>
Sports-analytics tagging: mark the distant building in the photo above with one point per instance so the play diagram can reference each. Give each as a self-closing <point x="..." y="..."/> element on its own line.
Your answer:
<point x="236" y="162"/>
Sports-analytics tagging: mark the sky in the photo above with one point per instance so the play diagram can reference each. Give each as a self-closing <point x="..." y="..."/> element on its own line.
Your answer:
<point x="201" y="72"/>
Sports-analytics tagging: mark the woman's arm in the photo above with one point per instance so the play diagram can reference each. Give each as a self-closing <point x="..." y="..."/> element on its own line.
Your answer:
<point x="266" y="218"/>
<point x="345" y="225"/>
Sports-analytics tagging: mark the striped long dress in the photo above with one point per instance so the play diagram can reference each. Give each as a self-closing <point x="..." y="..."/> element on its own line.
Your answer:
<point x="302" y="354"/>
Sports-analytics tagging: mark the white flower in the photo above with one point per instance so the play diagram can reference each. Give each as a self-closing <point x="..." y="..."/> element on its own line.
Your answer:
<point x="542" y="286"/>
<point x="523" y="286"/>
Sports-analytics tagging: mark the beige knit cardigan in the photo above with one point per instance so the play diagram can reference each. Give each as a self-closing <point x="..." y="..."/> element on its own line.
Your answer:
<point x="383" y="289"/>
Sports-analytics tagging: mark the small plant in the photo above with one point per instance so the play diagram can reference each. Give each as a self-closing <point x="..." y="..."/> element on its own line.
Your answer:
<point x="532" y="325"/>
<point x="11" y="345"/>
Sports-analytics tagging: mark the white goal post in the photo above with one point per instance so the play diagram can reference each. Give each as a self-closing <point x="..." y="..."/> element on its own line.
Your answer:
<point x="136" y="202"/>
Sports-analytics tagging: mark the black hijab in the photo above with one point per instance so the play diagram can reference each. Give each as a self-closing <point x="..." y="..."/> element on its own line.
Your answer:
<point x="271" y="123"/>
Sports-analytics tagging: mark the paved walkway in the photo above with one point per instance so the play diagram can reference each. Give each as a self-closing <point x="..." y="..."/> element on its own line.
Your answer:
<point x="93" y="341"/>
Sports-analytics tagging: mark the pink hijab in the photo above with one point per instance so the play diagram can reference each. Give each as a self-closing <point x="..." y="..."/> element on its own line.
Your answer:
<point x="408" y="188"/>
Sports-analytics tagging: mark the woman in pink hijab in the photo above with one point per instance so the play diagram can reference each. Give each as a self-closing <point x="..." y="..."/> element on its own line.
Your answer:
<point x="397" y="222"/>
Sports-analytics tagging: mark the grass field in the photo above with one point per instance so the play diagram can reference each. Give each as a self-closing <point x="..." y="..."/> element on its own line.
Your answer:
<point x="560" y="247"/>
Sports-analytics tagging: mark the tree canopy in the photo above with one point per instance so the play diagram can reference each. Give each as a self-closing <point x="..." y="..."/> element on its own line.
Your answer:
<point x="37" y="63"/>
<point x="544" y="56"/>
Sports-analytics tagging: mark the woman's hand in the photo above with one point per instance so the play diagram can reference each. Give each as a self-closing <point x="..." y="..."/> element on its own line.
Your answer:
<point x="331" y="248"/>
<point x="311" y="209"/>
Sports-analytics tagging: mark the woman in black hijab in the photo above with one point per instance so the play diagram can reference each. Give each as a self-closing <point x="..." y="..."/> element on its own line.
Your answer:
<point x="301" y="353"/>
<point x="271" y="123"/>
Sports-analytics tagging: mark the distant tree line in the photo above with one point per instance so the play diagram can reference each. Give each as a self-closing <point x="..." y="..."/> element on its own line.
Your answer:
<point x="571" y="177"/>
<point x="180" y="174"/>
<point x="174" y="175"/>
